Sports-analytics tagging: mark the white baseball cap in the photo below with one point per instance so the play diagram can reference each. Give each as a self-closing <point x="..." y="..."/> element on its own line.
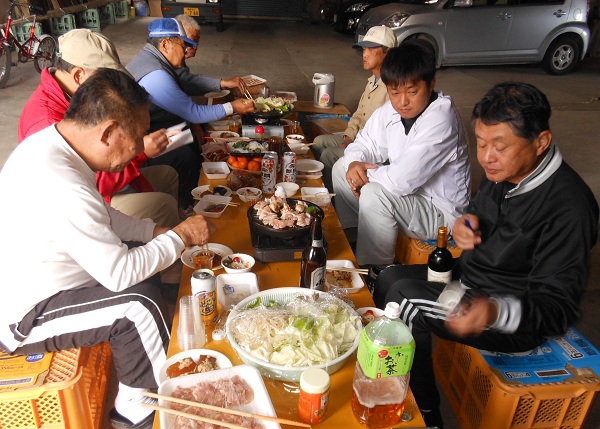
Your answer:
<point x="379" y="35"/>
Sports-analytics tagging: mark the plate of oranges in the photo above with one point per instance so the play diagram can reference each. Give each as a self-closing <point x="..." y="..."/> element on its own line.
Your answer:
<point x="252" y="165"/>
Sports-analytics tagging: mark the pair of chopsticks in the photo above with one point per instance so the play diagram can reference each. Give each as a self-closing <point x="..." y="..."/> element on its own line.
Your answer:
<point x="248" y="95"/>
<point x="349" y="270"/>
<point x="223" y="202"/>
<point x="226" y="139"/>
<point x="213" y="408"/>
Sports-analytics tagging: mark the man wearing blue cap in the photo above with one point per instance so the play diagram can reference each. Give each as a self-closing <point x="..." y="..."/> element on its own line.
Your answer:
<point x="154" y="67"/>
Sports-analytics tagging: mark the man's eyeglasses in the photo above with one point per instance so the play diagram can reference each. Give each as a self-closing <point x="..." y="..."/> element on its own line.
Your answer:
<point x="182" y="44"/>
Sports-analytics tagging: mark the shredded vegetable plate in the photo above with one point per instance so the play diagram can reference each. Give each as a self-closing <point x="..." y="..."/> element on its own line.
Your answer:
<point x="302" y="332"/>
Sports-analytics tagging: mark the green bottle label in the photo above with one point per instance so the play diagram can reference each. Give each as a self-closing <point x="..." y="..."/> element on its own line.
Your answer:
<point x="384" y="361"/>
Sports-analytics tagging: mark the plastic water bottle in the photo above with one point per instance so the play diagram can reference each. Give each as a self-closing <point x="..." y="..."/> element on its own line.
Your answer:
<point x="385" y="355"/>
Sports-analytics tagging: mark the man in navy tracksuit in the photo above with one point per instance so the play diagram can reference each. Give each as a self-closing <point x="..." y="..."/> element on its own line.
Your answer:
<point x="526" y="245"/>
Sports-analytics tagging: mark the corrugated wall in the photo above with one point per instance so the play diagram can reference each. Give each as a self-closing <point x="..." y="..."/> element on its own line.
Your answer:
<point x="288" y="9"/>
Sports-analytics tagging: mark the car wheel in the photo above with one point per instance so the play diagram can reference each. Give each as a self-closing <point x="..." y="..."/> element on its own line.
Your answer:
<point x="562" y="56"/>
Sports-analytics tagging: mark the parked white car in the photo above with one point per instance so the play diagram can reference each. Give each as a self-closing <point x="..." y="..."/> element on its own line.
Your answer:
<point x="468" y="32"/>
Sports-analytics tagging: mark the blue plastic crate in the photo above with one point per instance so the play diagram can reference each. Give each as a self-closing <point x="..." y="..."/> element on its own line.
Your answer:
<point x="60" y="25"/>
<point x="107" y="14"/>
<point x="89" y="19"/>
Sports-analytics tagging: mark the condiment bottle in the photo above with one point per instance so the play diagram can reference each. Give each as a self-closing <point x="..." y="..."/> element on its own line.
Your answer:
<point x="314" y="259"/>
<point x="314" y="395"/>
<point x="259" y="132"/>
<point x="382" y="372"/>
<point x="440" y="263"/>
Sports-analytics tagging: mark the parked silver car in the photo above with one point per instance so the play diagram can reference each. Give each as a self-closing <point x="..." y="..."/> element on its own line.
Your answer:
<point x="462" y="32"/>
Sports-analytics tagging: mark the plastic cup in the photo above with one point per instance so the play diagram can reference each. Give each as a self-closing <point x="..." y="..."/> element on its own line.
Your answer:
<point x="203" y="259"/>
<point x="294" y="127"/>
<point x="191" y="333"/>
<point x="323" y="200"/>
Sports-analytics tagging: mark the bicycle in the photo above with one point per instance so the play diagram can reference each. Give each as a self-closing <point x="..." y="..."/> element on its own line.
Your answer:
<point x="42" y="50"/>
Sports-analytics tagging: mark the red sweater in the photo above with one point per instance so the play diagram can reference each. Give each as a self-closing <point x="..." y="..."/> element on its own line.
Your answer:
<point x="48" y="105"/>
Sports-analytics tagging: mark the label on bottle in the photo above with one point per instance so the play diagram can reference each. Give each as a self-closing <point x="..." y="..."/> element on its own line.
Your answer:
<point x="440" y="277"/>
<point x="384" y="361"/>
<point x="317" y="279"/>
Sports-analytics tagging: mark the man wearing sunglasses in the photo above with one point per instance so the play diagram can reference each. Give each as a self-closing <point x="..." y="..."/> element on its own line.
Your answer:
<point x="155" y="69"/>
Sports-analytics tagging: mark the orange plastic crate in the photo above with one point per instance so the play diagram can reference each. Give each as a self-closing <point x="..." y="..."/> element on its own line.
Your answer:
<point x="481" y="400"/>
<point x="71" y="397"/>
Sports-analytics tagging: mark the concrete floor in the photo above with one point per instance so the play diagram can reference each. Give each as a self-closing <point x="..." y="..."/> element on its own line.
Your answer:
<point x="287" y="54"/>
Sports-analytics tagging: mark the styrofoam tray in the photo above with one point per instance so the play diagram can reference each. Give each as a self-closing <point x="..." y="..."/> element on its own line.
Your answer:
<point x="209" y="200"/>
<point x="357" y="281"/>
<point x="216" y="170"/>
<point x="309" y="192"/>
<point x="260" y="405"/>
<point x="233" y="288"/>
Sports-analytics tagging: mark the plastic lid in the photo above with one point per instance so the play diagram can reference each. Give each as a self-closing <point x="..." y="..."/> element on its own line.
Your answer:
<point x="392" y="310"/>
<point x="218" y="334"/>
<point x="314" y="380"/>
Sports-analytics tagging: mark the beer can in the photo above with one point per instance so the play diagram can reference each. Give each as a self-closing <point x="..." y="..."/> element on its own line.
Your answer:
<point x="269" y="172"/>
<point x="289" y="167"/>
<point x="205" y="288"/>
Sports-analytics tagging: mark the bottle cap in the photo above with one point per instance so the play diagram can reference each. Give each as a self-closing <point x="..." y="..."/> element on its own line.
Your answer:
<point x="314" y="380"/>
<point x="392" y="310"/>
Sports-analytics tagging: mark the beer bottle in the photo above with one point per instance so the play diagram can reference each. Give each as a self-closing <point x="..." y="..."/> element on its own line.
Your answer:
<point x="440" y="261"/>
<point x="314" y="259"/>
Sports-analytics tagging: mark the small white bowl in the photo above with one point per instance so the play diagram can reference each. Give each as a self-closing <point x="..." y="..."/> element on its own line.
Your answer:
<point x="290" y="188"/>
<point x="247" y="260"/>
<point x="299" y="148"/>
<point x="249" y="195"/>
<point x="294" y="138"/>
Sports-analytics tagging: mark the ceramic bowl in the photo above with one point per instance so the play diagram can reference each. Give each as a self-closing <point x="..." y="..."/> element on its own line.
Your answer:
<point x="290" y="188"/>
<point x="236" y="258"/>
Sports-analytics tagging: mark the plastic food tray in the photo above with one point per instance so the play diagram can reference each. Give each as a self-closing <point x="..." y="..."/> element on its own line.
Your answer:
<point x="260" y="405"/>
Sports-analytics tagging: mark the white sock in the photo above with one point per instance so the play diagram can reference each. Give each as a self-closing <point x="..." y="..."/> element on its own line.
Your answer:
<point x="129" y="401"/>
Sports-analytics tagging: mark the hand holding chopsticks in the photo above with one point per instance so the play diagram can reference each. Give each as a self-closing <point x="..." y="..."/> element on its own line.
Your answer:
<point x="214" y="408"/>
<point x="363" y="271"/>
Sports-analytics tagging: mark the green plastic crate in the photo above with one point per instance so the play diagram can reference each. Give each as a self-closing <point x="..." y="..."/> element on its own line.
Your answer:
<point x="21" y="32"/>
<point x="60" y="25"/>
<point x="122" y="9"/>
<point x="89" y="19"/>
<point x="107" y="14"/>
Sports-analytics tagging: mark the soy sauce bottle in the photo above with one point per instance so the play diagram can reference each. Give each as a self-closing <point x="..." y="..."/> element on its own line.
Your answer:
<point x="440" y="261"/>
<point x="314" y="259"/>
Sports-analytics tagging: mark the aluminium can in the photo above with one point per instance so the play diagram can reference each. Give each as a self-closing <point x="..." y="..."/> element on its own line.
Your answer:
<point x="289" y="167"/>
<point x="269" y="172"/>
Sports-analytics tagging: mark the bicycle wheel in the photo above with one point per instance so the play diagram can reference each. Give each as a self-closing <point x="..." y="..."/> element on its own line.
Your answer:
<point x="46" y="54"/>
<point x="5" y="64"/>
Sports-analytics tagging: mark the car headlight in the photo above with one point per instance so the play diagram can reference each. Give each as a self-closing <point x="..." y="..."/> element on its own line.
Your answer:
<point x="213" y="1"/>
<point x="396" y="20"/>
<point x="358" y="7"/>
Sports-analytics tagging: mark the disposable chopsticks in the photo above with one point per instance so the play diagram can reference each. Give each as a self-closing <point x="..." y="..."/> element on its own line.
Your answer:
<point x="193" y="416"/>
<point x="349" y="270"/>
<point x="225" y="203"/>
<point x="248" y="95"/>
<point x="215" y="408"/>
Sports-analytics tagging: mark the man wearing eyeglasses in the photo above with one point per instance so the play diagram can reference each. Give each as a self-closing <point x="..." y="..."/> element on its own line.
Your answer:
<point x="155" y="69"/>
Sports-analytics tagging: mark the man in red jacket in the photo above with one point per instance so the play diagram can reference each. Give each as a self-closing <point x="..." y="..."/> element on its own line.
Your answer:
<point x="149" y="192"/>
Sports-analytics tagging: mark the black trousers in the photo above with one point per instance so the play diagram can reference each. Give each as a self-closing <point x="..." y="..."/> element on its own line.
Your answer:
<point x="133" y="321"/>
<point x="408" y="286"/>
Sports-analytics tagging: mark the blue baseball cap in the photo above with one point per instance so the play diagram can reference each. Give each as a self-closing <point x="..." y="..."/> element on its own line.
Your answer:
<point x="168" y="27"/>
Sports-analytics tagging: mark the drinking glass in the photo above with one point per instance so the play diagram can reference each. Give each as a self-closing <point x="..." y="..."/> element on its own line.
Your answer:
<point x="203" y="259"/>
<point x="294" y="127"/>
<point x="191" y="333"/>
<point x="323" y="199"/>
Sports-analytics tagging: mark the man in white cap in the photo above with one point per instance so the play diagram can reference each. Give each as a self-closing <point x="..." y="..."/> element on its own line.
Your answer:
<point x="149" y="192"/>
<point x="328" y="148"/>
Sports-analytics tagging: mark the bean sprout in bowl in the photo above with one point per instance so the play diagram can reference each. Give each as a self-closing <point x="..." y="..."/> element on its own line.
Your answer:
<point x="284" y="331"/>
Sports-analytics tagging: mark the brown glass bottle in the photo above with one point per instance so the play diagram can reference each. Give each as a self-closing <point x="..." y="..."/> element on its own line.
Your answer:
<point x="440" y="261"/>
<point x="314" y="259"/>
